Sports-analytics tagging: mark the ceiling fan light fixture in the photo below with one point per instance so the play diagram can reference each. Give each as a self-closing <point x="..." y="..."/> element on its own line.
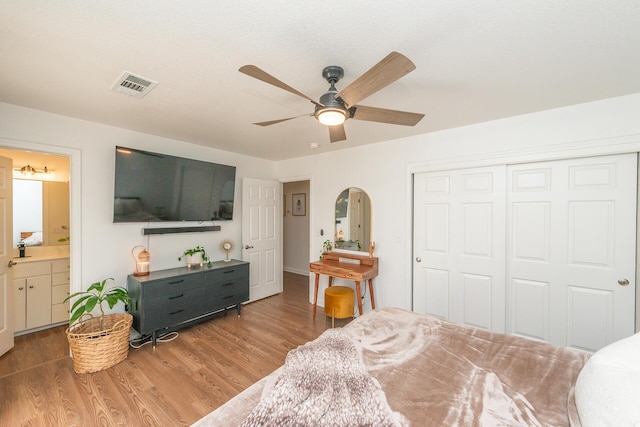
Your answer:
<point x="331" y="117"/>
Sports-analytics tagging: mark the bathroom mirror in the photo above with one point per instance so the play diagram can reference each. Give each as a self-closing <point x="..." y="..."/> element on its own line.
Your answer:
<point x="40" y="213"/>
<point x="353" y="220"/>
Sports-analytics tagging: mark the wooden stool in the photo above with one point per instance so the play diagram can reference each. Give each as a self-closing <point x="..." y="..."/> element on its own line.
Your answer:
<point x="338" y="302"/>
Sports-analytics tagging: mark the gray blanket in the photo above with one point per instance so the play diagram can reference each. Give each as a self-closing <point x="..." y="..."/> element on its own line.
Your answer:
<point x="324" y="383"/>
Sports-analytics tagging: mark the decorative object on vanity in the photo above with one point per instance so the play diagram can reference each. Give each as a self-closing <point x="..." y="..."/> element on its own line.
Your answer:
<point x="142" y="260"/>
<point x="195" y="256"/>
<point x="98" y="343"/>
<point x="227" y="246"/>
<point x="327" y="246"/>
<point x="334" y="108"/>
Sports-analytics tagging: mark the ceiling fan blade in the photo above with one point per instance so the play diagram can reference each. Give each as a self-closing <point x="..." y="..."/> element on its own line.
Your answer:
<point x="382" y="115"/>
<point x="337" y="133"/>
<point x="273" y="122"/>
<point x="255" y="72"/>
<point x="385" y="72"/>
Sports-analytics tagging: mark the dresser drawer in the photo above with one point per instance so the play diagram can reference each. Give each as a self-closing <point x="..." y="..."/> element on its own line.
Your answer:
<point x="60" y="279"/>
<point x="227" y="293"/>
<point x="171" y="286"/>
<point x="59" y="293"/>
<point x="60" y="265"/>
<point x="60" y="312"/>
<point x="25" y="269"/>
<point x="171" y="310"/>
<point x="228" y="273"/>
<point x="226" y="287"/>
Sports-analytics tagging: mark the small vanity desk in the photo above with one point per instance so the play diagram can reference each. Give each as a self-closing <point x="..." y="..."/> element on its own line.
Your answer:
<point x="359" y="268"/>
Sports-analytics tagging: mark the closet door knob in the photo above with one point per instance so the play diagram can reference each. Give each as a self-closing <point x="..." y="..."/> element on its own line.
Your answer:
<point x="418" y="259"/>
<point x="248" y="247"/>
<point x="623" y="282"/>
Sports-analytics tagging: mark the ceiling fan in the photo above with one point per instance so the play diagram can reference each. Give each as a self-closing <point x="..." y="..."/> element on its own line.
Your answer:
<point x="333" y="108"/>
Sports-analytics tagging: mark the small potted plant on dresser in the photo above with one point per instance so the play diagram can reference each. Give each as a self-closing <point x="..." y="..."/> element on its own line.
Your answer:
<point x="195" y="256"/>
<point x="98" y="342"/>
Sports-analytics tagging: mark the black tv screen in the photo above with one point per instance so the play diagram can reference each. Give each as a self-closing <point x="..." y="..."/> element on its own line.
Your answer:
<point x="158" y="187"/>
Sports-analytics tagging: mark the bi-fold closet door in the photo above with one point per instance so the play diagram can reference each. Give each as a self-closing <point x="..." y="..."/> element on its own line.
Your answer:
<point x="544" y="250"/>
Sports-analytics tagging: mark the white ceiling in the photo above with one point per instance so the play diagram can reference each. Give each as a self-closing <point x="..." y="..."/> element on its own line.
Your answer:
<point x="476" y="61"/>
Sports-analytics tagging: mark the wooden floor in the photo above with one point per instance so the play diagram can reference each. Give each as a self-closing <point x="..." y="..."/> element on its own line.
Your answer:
<point x="174" y="385"/>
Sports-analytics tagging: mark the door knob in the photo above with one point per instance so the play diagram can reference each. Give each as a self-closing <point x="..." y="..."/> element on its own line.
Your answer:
<point x="12" y="263"/>
<point x="418" y="259"/>
<point x="248" y="247"/>
<point x="623" y="282"/>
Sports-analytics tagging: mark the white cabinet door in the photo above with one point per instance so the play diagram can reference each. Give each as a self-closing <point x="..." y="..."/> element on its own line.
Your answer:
<point x="19" y="304"/>
<point x="572" y="231"/>
<point x="459" y="251"/>
<point x="38" y="301"/>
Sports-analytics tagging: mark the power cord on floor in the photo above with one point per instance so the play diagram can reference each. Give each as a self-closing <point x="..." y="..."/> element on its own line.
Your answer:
<point x="137" y="343"/>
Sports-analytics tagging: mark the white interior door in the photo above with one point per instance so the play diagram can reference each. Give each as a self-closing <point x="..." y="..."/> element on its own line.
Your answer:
<point x="571" y="250"/>
<point x="261" y="236"/>
<point x="355" y="216"/>
<point x="459" y="251"/>
<point x="6" y="253"/>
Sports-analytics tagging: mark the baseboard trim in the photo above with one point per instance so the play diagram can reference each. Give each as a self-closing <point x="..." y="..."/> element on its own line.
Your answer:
<point x="296" y="271"/>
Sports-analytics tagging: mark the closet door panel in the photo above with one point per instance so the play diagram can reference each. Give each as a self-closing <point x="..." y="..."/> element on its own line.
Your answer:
<point x="572" y="226"/>
<point x="459" y="249"/>
<point x="530" y="305"/>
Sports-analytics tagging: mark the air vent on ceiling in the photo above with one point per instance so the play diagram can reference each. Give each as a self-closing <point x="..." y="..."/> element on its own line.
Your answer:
<point x="133" y="85"/>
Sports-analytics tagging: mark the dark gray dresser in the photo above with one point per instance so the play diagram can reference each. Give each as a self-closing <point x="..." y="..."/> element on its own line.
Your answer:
<point x="172" y="298"/>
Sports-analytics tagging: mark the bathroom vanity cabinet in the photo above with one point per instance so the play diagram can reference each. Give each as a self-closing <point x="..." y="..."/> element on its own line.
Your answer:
<point x="40" y="288"/>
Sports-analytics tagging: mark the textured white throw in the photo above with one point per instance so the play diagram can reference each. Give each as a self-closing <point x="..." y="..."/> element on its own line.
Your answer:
<point x="325" y="383"/>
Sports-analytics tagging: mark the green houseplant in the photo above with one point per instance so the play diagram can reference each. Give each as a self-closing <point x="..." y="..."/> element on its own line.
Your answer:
<point x="100" y="342"/>
<point x="327" y="246"/>
<point x="94" y="296"/>
<point x="194" y="256"/>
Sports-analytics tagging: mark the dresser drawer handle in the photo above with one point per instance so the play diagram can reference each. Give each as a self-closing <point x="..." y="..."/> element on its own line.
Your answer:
<point x="228" y="271"/>
<point x="176" y="296"/>
<point x="228" y="296"/>
<point x="176" y="312"/>
<point x="176" y="282"/>
<point x="229" y="284"/>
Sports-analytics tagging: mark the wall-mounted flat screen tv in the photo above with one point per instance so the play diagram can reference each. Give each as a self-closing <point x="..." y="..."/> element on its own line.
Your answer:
<point x="158" y="187"/>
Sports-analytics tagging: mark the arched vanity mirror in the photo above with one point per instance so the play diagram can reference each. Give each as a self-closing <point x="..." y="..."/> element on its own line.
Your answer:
<point x="353" y="220"/>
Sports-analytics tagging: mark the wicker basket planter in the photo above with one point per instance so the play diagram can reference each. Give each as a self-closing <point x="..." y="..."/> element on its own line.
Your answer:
<point x="98" y="343"/>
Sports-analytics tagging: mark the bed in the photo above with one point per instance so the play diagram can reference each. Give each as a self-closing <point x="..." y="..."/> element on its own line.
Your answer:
<point x="397" y="368"/>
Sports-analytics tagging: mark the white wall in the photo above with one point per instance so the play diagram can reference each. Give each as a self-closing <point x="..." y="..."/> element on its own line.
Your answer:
<point x="295" y="231"/>
<point x="102" y="249"/>
<point x="99" y="248"/>
<point x="386" y="173"/>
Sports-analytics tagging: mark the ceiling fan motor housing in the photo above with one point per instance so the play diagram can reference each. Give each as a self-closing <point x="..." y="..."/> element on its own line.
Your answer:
<point x="328" y="101"/>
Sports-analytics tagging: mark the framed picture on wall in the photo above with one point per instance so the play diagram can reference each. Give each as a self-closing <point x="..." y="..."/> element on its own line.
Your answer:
<point x="299" y="204"/>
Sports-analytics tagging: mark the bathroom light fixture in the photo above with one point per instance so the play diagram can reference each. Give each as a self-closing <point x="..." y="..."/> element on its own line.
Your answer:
<point x="27" y="170"/>
<point x="31" y="171"/>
